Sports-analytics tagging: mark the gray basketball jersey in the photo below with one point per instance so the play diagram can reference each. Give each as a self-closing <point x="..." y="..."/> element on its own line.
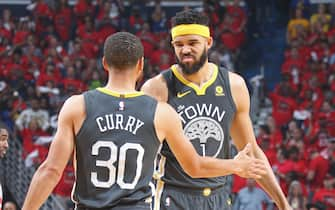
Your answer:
<point x="116" y="149"/>
<point x="206" y="114"/>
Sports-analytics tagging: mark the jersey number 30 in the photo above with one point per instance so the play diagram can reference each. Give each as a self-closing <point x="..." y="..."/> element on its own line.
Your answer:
<point x="112" y="176"/>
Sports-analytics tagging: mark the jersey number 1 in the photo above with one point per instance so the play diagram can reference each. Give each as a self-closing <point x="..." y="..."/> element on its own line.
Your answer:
<point x="119" y="177"/>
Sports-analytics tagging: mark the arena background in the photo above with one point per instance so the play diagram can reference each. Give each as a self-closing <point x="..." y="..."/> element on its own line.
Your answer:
<point x="287" y="62"/>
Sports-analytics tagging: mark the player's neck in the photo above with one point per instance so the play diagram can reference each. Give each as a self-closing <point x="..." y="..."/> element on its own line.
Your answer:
<point x="123" y="83"/>
<point x="201" y="76"/>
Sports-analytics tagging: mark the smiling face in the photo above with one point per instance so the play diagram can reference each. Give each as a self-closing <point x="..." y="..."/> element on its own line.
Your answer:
<point x="3" y="142"/>
<point x="191" y="52"/>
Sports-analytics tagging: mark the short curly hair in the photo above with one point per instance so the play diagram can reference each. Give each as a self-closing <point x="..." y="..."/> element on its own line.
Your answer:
<point x="190" y="17"/>
<point x="123" y="50"/>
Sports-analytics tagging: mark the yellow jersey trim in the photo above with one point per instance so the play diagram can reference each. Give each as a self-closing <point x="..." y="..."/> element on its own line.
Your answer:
<point x="198" y="90"/>
<point x="116" y="94"/>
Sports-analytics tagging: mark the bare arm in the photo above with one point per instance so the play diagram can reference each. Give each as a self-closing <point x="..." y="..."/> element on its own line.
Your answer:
<point x="50" y="171"/>
<point x="156" y="87"/>
<point x="242" y="134"/>
<point x="168" y="125"/>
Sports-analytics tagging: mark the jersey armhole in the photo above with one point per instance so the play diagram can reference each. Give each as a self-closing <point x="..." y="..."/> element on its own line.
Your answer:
<point x="86" y="101"/>
<point x="225" y="73"/>
<point x="170" y="82"/>
<point x="155" y="106"/>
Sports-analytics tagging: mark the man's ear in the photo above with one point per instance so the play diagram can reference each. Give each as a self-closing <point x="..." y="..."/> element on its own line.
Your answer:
<point x="104" y="64"/>
<point x="209" y="42"/>
<point x="139" y="68"/>
<point x="140" y="64"/>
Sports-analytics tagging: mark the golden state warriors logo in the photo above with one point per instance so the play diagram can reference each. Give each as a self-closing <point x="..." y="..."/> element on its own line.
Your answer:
<point x="219" y="91"/>
<point x="206" y="135"/>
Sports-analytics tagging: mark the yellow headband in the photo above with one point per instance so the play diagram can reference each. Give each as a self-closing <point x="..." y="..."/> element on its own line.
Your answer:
<point x="186" y="29"/>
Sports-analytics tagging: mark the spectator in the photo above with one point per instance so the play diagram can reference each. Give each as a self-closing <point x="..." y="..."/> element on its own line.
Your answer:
<point x="95" y="81"/>
<point x="158" y="20"/>
<point x="297" y="26"/>
<point x="21" y="32"/>
<point x="293" y="67"/>
<point x="319" y="134"/>
<point x="89" y="38"/>
<point x="320" y="165"/>
<point x="296" y="197"/>
<point x="63" y="20"/>
<point x="316" y="206"/>
<point x="50" y="74"/>
<point x="33" y="112"/>
<point x="42" y="16"/>
<point x="326" y="194"/>
<point x="9" y="205"/>
<point x="3" y="149"/>
<point x="321" y="18"/>
<point x="162" y="50"/>
<point x="300" y="4"/>
<point x="224" y="57"/>
<point x="332" y="13"/>
<point x="135" y="20"/>
<point x="70" y="80"/>
<point x="107" y="20"/>
<point x="239" y="20"/>
<point x="252" y="198"/>
<point x="63" y="189"/>
<point x="263" y="139"/>
<point x="283" y="104"/>
<point x="7" y="20"/>
<point x="296" y="139"/>
<point x="299" y="164"/>
<point x="237" y="185"/>
<point x="11" y="105"/>
<point x="83" y="8"/>
<point x="283" y="168"/>
<point x="276" y="136"/>
<point x="149" y="39"/>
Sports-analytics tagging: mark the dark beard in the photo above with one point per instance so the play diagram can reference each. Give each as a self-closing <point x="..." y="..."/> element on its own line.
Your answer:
<point x="191" y="69"/>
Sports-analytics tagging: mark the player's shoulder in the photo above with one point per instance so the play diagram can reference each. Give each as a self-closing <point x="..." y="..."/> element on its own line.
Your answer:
<point x="154" y="82"/>
<point x="236" y="80"/>
<point x="156" y="87"/>
<point x="74" y="104"/>
<point x="74" y="99"/>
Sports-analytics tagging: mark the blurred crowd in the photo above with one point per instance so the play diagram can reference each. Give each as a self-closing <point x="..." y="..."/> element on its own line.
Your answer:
<point x="299" y="136"/>
<point x="56" y="50"/>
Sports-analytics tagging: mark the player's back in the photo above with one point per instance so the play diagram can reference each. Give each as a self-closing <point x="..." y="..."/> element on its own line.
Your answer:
<point x="115" y="149"/>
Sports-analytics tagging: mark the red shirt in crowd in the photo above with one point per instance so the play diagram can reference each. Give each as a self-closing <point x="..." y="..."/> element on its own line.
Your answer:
<point x="326" y="196"/>
<point x="320" y="166"/>
<point x="238" y="183"/>
<point x="81" y="9"/>
<point x="62" y="21"/>
<point x="42" y="13"/>
<point x="284" y="168"/>
<point x="29" y="137"/>
<point x="64" y="186"/>
<point x="283" y="108"/>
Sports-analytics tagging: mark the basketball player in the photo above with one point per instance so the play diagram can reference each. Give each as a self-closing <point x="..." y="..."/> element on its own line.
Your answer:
<point x="212" y="104"/>
<point x="115" y="133"/>
<point x="3" y="149"/>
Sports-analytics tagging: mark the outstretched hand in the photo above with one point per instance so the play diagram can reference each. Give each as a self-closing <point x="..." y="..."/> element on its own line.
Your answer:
<point x="248" y="166"/>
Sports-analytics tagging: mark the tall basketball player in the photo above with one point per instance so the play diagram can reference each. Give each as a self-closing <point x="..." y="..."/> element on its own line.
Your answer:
<point x="115" y="133"/>
<point x="213" y="105"/>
